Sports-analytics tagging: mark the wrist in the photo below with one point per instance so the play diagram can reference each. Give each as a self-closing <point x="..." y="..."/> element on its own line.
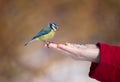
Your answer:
<point x="91" y="53"/>
<point x="96" y="55"/>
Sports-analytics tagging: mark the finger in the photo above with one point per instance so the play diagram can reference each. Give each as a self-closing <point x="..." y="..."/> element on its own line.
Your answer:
<point x="55" y="46"/>
<point x="66" y="48"/>
<point x="60" y="47"/>
<point x="51" y="45"/>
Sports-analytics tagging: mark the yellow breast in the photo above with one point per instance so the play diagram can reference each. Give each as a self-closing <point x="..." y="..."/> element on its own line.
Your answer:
<point x="47" y="36"/>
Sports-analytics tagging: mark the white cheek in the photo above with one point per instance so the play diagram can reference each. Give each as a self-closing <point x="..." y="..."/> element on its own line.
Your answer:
<point x="54" y="28"/>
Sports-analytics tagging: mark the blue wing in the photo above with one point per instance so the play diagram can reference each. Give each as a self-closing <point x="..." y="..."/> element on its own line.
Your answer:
<point x="44" y="31"/>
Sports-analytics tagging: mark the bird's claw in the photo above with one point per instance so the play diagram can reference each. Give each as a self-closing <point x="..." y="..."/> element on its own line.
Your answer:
<point x="48" y="43"/>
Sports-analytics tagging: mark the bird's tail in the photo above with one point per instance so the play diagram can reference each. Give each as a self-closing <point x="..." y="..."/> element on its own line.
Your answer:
<point x="31" y="41"/>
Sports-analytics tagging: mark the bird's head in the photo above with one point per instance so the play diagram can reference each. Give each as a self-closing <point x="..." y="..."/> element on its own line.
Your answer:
<point x="53" y="26"/>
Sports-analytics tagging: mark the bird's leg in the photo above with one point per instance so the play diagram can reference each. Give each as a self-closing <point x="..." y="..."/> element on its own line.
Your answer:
<point x="47" y="43"/>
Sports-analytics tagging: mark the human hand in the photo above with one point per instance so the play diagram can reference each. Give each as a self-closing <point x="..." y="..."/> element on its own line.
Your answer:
<point x="88" y="52"/>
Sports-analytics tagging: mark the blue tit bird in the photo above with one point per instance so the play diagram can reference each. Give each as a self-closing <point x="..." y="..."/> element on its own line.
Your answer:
<point x="45" y="34"/>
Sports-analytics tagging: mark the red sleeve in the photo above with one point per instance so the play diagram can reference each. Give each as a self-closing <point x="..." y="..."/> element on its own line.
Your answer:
<point x="108" y="70"/>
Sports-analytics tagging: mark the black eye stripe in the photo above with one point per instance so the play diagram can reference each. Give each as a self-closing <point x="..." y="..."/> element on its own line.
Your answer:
<point x="52" y="25"/>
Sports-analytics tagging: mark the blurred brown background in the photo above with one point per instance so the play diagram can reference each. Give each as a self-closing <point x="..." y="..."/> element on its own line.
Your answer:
<point x="80" y="21"/>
